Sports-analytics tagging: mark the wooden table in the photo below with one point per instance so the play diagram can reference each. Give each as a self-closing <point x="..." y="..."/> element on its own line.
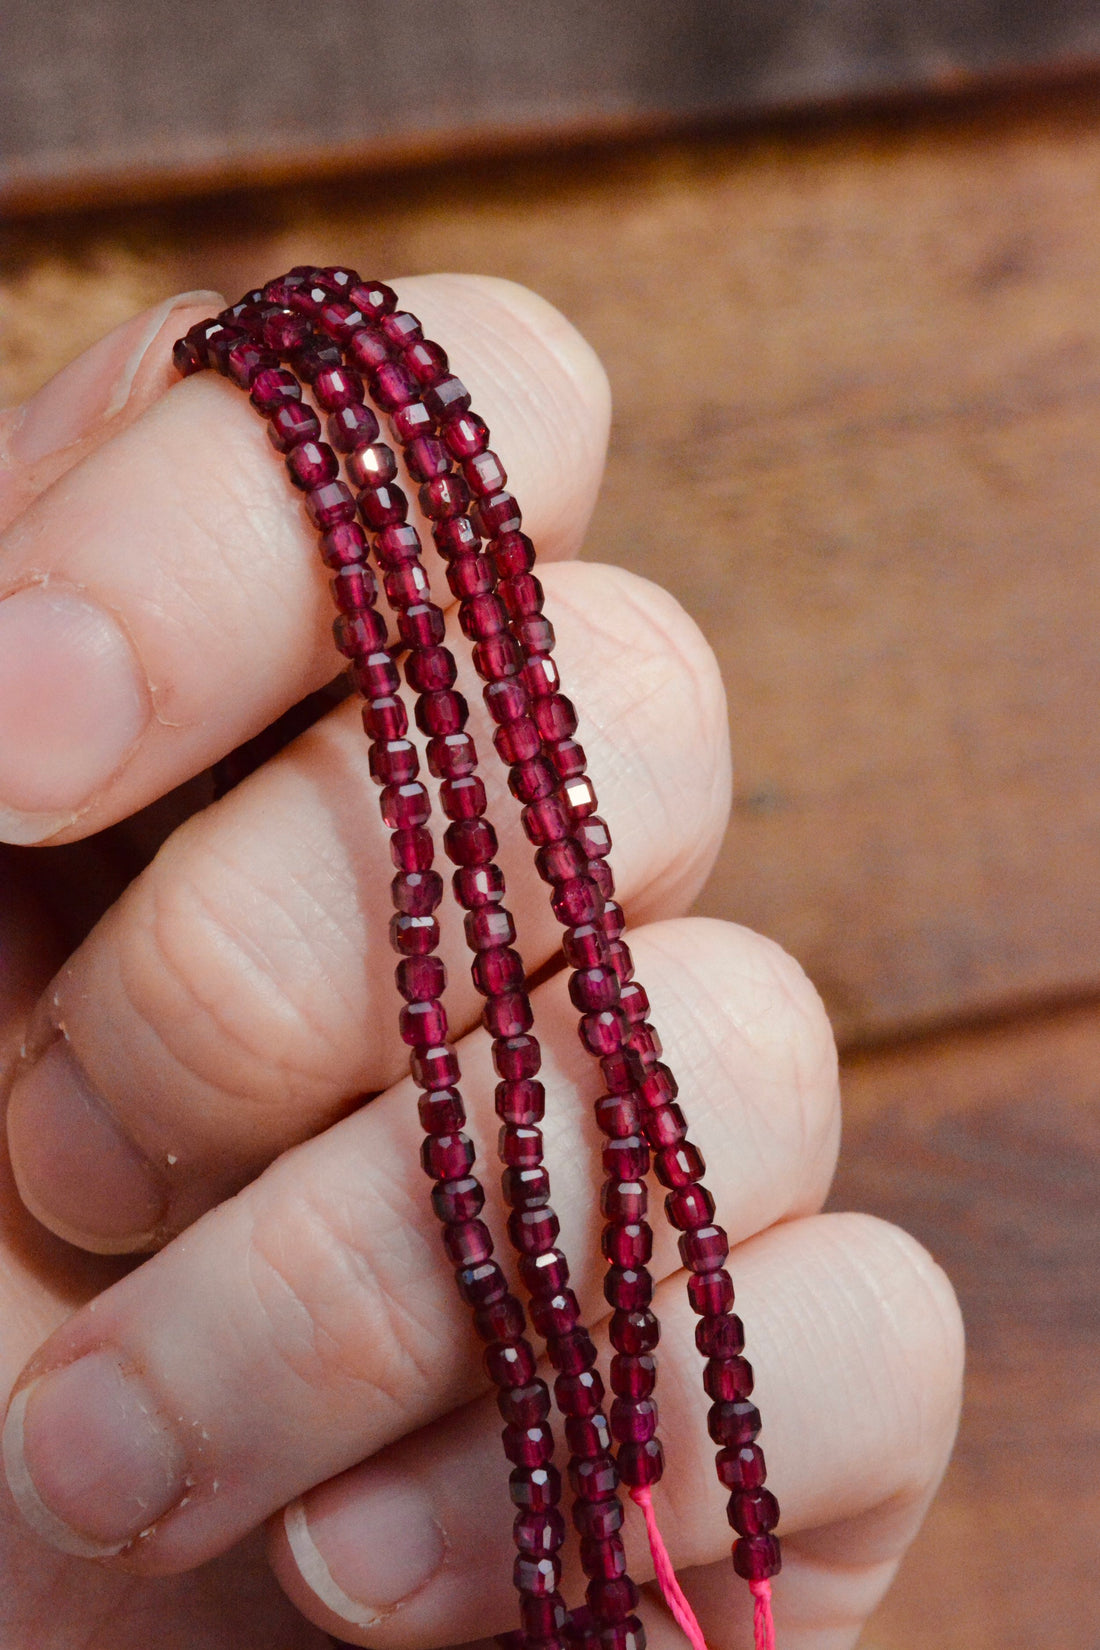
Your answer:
<point x="871" y="345"/>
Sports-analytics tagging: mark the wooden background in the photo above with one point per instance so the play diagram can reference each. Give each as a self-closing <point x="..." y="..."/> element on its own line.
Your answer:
<point x="872" y="349"/>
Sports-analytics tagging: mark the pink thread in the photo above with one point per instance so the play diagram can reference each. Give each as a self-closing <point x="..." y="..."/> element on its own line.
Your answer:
<point x="682" y="1612"/>
<point x="763" y="1627"/>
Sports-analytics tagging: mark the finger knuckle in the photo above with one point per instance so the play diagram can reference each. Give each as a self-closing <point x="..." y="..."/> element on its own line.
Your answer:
<point x="346" y="1308"/>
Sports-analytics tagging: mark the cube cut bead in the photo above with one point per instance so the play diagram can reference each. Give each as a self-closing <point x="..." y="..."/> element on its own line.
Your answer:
<point x="442" y="1112"/>
<point x="291" y="424"/>
<point x="705" y="1249"/>
<point x="522" y="1102"/>
<point x="419" y="979"/>
<point x="641" y="1463"/>
<point x="524" y="1406"/>
<point x="633" y="1375"/>
<point x="757" y="1557"/>
<point x="459" y="1200"/>
<point x="741" y="1468"/>
<point x="727" y="1379"/>
<point x="733" y="1423"/>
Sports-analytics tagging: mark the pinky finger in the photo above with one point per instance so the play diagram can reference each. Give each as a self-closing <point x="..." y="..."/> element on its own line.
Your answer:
<point x="857" y="1347"/>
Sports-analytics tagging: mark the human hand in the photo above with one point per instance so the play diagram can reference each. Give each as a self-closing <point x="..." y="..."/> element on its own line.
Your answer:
<point x="301" y="1342"/>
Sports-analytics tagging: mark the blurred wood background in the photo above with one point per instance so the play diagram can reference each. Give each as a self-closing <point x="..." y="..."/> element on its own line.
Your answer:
<point x="872" y="356"/>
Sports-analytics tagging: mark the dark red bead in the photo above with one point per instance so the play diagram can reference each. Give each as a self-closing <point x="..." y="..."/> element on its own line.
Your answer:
<point x="634" y="1332"/>
<point x="517" y="1057"/>
<point x="623" y="1200"/>
<point x="417" y="893"/>
<point x="510" y="1364"/>
<point x="443" y="1113"/>
<point x="412" y="422"/>
<point x="603" y="1556"/>
<point x="542" y="1619"/>
<point x="413" y="936"/>
<point x="430" y="669"/>
<point x="522" y="595"/>
<point x="427" y="458"/>
<point x="617" y="1115"/>
<point x="412" y="850"/>
<point x="442" y="712"/>
<point x="533" y="1230"/>
<point x="520" y="1146"/>
<point x="540" y="677"/>
<point x="580" y="1394"/>
<point x="420" y="979"/>
<point x="272" y="387"/>
<point x="392" y="385"/>
<point x="422" y="625"/>
<point x="337" y="387"/>
<point x="720" y="1337"/>
<point x="757" y="1557"/>
<point x="603" y="1033"/>
<point x="726" y="1379"/>
<point x="664" y="1125"/>
<point x="373" y="298"/>
<point x="633" y="1420"/>
<point x="610" y="1601"/>
<point x="524" y="1406"/>
<point x="463" y="798"/>
<point x="595" y="1479"/>
<point x="633" y="1375"/>
<point x="497" y="971"/>
<point x="482" y="1284"/>
<point x="642" y="1462"/>
<point x="626" y="1159"/>
<point x="534" y="1488"/>
<point x="422" y="1022"/>
<point x="556" y="1315"/>
<point x="446" y="399"/>
<point x="470" y="841"/>
<point x="465" y="434"/>
<point x="535" y="634"/>
<point x="189" y="356"/>
<point x="733" y="1422"/>
<point x="447" y="1156"/>
<point x="498" y="658"/>
<point x="314" y="357"/>
<point x="435" y="1068"/>
<point x="496" y="513"/>
<point x="372" y="466"/>
<point x="455" y="537"/>
<point x="484" y="474"/>
<point x="689" y="1207"/>
<point x="741" y="1468"/>
<point x="577" y="901"/>
<point x="426" y="361"/>
<point x="529" y="1446"/>
<point x="544" y="1274"/>
<point x="526" y="1188"/>
<point x="345" y="546"/>
<point x="530" y="781"/>
<point x="517" y="741"/>
<point x="594" y="989"/>
<point x="710" y="1293"/>
<point x="397" y="546"/>
<point x="506" y="702"/>
<point x="393" y="762"/>
<point x="597" y="1520"/>
<point x="585" y="945"/>
<point x="571" y="1353"/>
<point x="587" y="1435"/>
<point x="310" y="464"/>
<point x="705" y="1249"/>
<point x="546" y="821"/>
<point x="382" y="506"/>
<point x="522" y="1103"/>
<point x="359" y="634"/>
<point x="467" y="1243"/>
<point x="452" y="756"/>
<point x="245" y="360"/>
<point x="508" y="1015"/>
<point x="561" y="862"/>
<point x="470" y="577"/>
<point x="679" y="1166"/>
<point x="292" y="423"/>
<point x="627" y="1244"/>
<point x="444" y="496"/>
<point x="284" y="333"/>
<point x="627" y="1288"/>
<point x="404" y="806"/>
<point x="489" y="926"/>
<point x="353" y="589"/>
<point x="463" y="1199"/>
<point x="539" y="1532"/>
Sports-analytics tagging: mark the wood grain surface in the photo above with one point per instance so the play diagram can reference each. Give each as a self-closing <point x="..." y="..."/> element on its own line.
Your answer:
<point x="112" y="97"/>
<point x="856" y="366"/>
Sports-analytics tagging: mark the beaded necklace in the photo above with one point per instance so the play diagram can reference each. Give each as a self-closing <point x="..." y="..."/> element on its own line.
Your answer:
<point x="330" y="330"/>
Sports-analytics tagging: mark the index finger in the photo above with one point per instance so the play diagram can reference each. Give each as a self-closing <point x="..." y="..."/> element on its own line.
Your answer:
<point x="162" y="602"/>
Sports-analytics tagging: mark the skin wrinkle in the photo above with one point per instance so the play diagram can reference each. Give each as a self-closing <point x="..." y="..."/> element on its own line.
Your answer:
<point x="379" y="1316"/>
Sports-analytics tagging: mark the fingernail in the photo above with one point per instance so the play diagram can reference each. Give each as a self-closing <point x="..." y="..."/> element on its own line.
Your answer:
<point x="73" y="701"/>
<point x="89" y="1464"/>
<point x="96" y="386"/>
<point x="76" y="1169"/>
<point x="365" y="1550"/>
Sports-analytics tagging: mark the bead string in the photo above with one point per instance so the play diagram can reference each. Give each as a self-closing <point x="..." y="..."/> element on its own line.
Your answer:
<point x="331" y="327"/>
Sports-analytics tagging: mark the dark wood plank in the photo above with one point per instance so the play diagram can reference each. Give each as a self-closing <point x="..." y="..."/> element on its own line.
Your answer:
<point x="986" y="1145"/>
<point x="109" y="100"/>
<point x="857" y="377"/>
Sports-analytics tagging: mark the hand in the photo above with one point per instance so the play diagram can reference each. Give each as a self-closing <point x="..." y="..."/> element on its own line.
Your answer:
<point x="190" y="1072"/>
